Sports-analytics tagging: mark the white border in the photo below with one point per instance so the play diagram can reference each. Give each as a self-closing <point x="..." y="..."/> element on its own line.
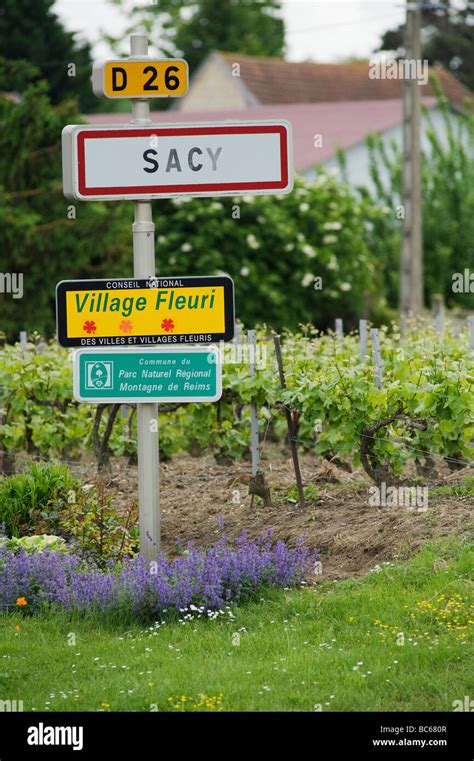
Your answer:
<point x="147" y="399"/>
<point x="71" y="173"/>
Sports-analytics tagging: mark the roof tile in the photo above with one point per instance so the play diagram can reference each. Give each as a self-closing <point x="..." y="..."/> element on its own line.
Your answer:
<point x="273" y="80"/>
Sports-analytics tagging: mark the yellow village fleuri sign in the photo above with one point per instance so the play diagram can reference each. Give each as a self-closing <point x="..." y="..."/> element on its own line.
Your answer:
<point x="132" y="312"/>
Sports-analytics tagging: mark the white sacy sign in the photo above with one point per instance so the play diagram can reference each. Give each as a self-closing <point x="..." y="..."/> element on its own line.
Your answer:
<point x="158" y="161"/>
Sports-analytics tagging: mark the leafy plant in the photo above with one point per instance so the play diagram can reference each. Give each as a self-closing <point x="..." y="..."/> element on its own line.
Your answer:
<point x="37" y="543"/>
<point x="96" y="529"/>
<point x="464" y="489"/>
<point x="311" y="494"/>
<point x="42" y="492"/>
<point x="38" y="411"/>
<point x="330" y="390"/>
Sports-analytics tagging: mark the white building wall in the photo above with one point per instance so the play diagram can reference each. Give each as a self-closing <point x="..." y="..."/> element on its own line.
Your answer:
<point x="357" y="157"/>
<point x="213" y="88"/>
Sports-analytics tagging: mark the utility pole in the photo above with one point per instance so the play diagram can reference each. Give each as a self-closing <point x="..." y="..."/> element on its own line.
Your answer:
<point x="411" y="261"/>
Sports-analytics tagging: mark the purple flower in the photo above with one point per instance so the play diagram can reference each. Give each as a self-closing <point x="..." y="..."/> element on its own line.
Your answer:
<point x="224" y="573"/>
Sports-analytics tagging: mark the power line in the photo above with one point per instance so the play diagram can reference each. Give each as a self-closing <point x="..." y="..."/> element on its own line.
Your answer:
<point x="321" y="27"/>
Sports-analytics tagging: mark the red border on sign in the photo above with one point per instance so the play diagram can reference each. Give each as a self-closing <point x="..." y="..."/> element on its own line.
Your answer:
<point x="182" y="188"/>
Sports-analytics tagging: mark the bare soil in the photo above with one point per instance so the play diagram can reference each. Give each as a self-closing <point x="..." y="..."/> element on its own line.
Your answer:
<point x="351" y="535"/>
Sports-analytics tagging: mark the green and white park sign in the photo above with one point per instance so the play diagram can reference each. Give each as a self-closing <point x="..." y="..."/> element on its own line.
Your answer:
<point x="148" y="375"/>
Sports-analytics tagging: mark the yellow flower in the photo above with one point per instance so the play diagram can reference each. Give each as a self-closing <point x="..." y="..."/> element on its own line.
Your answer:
<point x="17" y="628"/>
<point x="21" y="601"/>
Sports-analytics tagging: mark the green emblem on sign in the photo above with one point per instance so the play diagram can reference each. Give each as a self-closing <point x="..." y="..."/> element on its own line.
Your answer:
<point x="99" y="375"/>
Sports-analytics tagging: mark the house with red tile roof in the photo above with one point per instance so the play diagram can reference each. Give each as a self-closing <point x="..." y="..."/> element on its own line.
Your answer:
<point x="330" y="106"/>
<point x="234" y="81"/>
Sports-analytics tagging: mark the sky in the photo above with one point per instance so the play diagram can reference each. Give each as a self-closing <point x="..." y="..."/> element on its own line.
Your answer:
<point x="317" y="30"/>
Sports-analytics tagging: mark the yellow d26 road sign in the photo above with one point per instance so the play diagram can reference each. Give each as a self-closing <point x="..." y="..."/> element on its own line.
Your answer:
<point x="123" y="78"/>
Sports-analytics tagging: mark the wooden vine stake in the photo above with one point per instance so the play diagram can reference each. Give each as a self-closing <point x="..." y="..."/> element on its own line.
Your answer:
<point x="291" y="429"/>
<point x="437" y="307"/>
<point x="377" y="357"/>
<point x="363" y="339"/>
<point x="258" y="485"/>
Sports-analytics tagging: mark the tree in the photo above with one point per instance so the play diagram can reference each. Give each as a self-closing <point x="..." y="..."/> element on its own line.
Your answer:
<point x="194" y="29"/>
<point x="43" y="237"/>
<point x="33" y="33"/>
<point x="448" y="39"/>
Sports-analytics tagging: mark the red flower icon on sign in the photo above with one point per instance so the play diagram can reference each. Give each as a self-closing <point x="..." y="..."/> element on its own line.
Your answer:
<point x="168" y="325"/>
<point x="89" y="326"/>
<point x="126" y="326"/>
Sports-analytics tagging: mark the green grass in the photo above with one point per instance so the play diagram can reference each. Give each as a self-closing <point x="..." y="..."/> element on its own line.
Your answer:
<point x="311" y="494"/>
<point x="464" y="489"/>
<point x="333" y="647"/>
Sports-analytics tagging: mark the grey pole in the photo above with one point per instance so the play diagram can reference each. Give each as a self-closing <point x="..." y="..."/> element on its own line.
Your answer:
<point x="363" y="339"/>
<point x="23" y="341"/>
<point x="377" y="356"/>
<point x="439" y="323"/>
<point x="143" y="231"/>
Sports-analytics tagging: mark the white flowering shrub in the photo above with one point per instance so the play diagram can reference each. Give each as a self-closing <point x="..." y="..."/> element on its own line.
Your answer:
<point x="304" y="257"/>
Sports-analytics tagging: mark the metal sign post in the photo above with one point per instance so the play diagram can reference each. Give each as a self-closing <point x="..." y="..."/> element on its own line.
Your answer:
<point x="143" y="231"/>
